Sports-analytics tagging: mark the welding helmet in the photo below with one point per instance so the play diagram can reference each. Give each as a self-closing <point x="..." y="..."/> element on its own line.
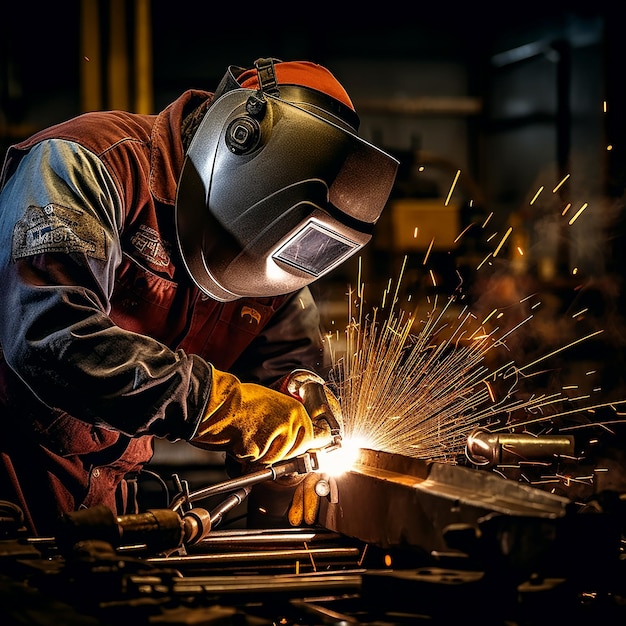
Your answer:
<point x="276" y="188"/>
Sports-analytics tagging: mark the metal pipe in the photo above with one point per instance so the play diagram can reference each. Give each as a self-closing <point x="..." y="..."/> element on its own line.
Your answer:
<point x="233" y="539"/>
<point x="319" y="582"/>
<point x="254" y="556"/>
<point x="491" y="449"/>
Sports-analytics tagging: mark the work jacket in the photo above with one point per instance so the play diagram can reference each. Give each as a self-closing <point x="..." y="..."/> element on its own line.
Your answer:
<point x="105" y="340"/>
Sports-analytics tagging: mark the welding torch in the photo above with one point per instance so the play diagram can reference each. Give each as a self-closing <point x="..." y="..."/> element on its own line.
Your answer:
<point x="484" y="448"/>
<point x="303" y="464"/>
<point x="325" y="412"/>
<point x="181" y="524"/>
<point x="163" y="530"/>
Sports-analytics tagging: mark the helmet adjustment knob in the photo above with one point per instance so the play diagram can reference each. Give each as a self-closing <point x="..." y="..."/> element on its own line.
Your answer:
<point x="243" y="135"/>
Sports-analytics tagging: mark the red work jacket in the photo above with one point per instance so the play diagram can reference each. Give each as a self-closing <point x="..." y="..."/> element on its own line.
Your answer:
<point x="106" y="342"/>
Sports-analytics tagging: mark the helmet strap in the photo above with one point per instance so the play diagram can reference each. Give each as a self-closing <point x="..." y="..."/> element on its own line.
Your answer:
<point x="267" y="76"/>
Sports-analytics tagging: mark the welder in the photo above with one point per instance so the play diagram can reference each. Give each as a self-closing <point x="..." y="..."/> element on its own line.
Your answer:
<point x="155" y="273"/>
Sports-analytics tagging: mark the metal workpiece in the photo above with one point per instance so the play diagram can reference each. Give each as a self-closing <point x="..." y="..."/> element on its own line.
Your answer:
<point x="391" y="500"/>
<point x="487" y="449"/>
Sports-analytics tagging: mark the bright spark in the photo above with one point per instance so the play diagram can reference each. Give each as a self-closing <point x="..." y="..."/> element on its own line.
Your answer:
<point x="430" y="247"/>
<point x="456" y="178"/>
<point x="462" y="232"/>
<point x="536" y="195"/>
<point x="484" y="261"/>
<point x="416" y="384"/>
<point x="432" y="278"/>
<point x="577" y="214"/>
<point x="506" y="236"/>
<point x="561" y="183"/>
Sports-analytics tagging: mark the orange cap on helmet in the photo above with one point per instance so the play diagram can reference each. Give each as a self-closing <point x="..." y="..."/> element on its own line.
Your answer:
<point x="304" y="74"/>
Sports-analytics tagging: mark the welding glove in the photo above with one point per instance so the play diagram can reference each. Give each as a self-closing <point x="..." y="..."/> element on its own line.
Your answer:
<point x="255" y="423"/>
<point x="323" y="404"/>
<point x="305" y="504"/>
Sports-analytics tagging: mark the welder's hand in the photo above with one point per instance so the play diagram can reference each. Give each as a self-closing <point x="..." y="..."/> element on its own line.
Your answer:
<point x="320" y="401"/>
<point x="254" y="423"/>
<point x="305" y="503"/>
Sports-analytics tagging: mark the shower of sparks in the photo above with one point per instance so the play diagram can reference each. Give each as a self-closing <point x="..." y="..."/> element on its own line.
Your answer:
<point x="419" y="385"/>
<point x="418" y="382"/>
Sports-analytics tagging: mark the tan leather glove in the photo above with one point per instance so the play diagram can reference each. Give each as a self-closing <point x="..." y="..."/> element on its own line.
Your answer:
<point x="321" y="403"/>
<point x="305" y="504"/>
<point x="254" y="423"/>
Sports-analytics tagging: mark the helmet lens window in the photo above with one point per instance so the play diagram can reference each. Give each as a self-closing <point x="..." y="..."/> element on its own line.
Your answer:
<point x="315" y="249"/>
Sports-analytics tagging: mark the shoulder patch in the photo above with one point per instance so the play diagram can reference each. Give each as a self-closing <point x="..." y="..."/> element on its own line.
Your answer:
<point x="55" y="228"/>
<point x="150" y="246"/>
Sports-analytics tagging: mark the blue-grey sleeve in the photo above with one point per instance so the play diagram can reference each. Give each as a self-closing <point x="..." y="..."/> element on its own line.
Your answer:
<point x="60" y="219"/>
<point x="293" y="339"/>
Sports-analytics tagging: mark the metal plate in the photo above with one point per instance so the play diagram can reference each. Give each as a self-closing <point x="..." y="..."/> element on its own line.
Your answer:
<point x="394" y="501"/>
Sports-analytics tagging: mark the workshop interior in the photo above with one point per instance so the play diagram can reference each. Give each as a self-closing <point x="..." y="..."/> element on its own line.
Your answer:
<point x="478" y="341"/>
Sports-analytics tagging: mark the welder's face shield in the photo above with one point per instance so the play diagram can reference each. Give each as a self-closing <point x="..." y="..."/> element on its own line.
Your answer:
<point x="269" y="203"/>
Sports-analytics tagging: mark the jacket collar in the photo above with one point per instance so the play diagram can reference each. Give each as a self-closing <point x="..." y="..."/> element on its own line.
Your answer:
<point x="167" y="155"/>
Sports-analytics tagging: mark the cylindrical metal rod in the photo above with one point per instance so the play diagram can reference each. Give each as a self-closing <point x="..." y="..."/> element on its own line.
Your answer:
<point x="490" y="449"/>
<point x="233" y="500"/>
<point x="298" y="465"/>
<point x="258" y="555"/>
<point x="230" y="485"/>
<point x="235" y="539"/>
